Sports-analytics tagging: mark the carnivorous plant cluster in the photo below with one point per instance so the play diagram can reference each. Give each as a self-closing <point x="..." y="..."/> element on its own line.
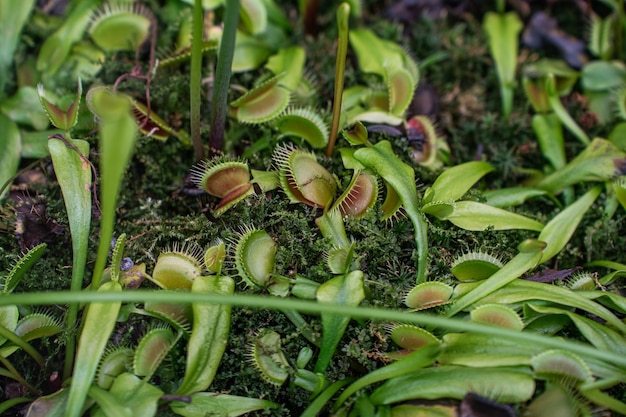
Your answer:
<point x="497" y="330"/>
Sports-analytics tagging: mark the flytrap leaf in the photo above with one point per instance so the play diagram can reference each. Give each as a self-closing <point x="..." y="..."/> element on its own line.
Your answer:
<point x="411" y="337"/>
<point x="533" y="81"/>
<point x="21" y="267"/>
<point x="302" y="178"/>
<point x="382" y="160"/>
<point x="303" y="123"/>
<point x="121" y="26"/>
<point x="401" y="85"/>
<point x="152" y="350"/>
<point x="344" y="289"/>
<point x="149" y="123"/>
<point x="561" y="112"/>
<point x="253" y="16"/>
<point x="517" y="266"/>
<point x="254" y="255"/>
<point x="220" y="404"/>
<point x="225" y="178"/>
<point x="511" y="197"/>
<point x="177" y="269"/>
<point x="12" y="19"/>
<point x="9" y="316"/>
<point x="475" y="266"/>
<point x="360" y="195"/>
<point x="250" y="52"/>
<point x="63" y="119"/>
<point x="115" y="362"/>
<point x="267" y="357"/>
<point x="375" y="55"/>
<point x="556" y="364"/>
<point x="428" y="294"/>
<point x="262" y="103"/>
<point x="56" y="48"/>
<point x="497" y="315"/>
<point x="37" y="325"/>
<point x="507" y="385"/>
<point x="549" y="132"/>
<point x="22" y="107"/>
<point x="105" y="401"/>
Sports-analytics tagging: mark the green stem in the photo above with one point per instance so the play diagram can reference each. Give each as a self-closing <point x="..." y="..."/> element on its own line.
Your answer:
<point x="22" y="344"/>
<point x="222" y="77"/>
<point x="195" y="80"/>
<point x="8" y="404"/>
<point x="619" y="35"/>
<point x="16" y="375"/>
<point x="561" y="112"/>
<point x="302" y="326"/>
<point x="343" y="13"/>
<point x="311" y="307"/>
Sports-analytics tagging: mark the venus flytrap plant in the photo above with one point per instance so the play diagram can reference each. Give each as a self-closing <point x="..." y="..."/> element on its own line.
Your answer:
<point x="74" y="174"/>
<point x="381" y="159"/>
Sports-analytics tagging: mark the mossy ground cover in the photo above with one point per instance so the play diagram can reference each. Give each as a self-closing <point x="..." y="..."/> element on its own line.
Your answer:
<point x="155" y="212"/>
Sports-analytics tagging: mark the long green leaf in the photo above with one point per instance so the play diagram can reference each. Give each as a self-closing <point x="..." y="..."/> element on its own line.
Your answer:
<point x="509" y="385"/>
<point x="558" y="231"/>
<point x="408" y="364"/>
<point x="268" y="302"/>
<point x="10" y="149"/>
<point x="600" y="161"/>
<point x="502" y="31"/>
<point x="13" y="17"/>
<point x="549" y="133"/>
<point x="97" y="328"/>
<point x="74" y="176"/>
<point x="454" y="182"/>
<point x="477" y="350"/>
<point x="118" y="134"/>
<point x="344" y="289"/>
<point x="472" y="215"/>
<point x="599" y="335"/>
<point x="220" y="404"/>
